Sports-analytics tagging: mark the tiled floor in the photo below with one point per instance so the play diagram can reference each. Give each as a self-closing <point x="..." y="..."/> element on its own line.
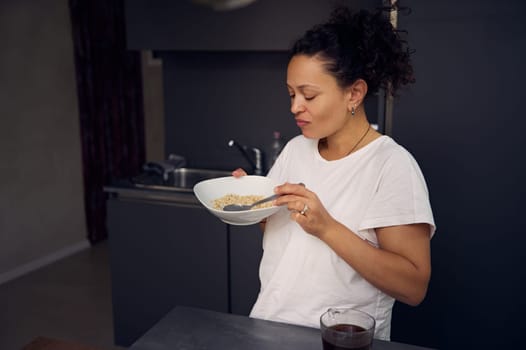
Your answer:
<point x="69" y="299"/>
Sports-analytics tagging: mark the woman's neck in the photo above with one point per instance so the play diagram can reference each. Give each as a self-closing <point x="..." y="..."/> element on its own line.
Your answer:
<point x="354" y="135"/>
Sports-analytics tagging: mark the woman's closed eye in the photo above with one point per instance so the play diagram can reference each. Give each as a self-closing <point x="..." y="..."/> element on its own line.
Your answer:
<point x="307" y="98"/>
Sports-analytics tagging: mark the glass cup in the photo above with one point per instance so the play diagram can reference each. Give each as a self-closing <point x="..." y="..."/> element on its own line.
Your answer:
<point x="346" y="328"/>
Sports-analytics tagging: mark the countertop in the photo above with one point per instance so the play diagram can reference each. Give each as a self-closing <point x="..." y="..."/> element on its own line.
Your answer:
<point x="124" y="189"/>
<point x="191" y="328"/>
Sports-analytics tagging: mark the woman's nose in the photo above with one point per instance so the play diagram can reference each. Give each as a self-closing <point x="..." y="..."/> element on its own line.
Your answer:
<point x="296" y="106"/>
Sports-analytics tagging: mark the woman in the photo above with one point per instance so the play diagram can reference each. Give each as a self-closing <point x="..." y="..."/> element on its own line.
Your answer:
<point x="357" y="234"/>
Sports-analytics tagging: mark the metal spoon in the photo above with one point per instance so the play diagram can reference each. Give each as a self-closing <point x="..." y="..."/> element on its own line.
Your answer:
<point x="240" y="207"/>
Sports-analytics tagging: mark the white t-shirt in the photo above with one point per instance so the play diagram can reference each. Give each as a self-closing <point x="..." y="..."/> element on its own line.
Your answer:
<point x="301" y="277"/>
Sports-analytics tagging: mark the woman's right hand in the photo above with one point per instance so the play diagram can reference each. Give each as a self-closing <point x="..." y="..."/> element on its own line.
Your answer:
<point x="239" y="172"/>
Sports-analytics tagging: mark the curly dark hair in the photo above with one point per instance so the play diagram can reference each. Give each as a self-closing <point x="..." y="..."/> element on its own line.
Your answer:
<point x="359" y="45"/>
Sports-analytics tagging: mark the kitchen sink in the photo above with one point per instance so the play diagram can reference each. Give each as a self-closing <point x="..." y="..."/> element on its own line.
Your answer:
<point x="180" y="179"/>
<point x="188" y="177"/>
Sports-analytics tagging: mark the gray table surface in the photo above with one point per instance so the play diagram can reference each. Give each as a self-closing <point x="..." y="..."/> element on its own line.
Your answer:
<point x="191" y="328"/>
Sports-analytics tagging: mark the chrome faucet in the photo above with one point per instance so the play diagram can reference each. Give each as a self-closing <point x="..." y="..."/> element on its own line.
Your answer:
<point x="256" y="160"/>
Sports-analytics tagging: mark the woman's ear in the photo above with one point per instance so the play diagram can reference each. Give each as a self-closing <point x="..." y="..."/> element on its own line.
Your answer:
<point x="356" y="92"/>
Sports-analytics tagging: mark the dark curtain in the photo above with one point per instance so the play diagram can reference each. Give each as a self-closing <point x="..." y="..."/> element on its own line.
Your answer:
<point x="111" y="111"/>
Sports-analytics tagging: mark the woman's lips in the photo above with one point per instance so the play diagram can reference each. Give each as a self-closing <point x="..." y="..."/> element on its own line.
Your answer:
<point x="301" y="123"/>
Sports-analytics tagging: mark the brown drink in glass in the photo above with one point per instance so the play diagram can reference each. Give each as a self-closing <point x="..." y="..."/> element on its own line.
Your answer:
<point x="345" y="329"/>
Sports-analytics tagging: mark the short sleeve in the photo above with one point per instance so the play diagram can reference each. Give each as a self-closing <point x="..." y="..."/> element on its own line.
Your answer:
<point x="278" y="170"/>
<point x="401" y="196"/>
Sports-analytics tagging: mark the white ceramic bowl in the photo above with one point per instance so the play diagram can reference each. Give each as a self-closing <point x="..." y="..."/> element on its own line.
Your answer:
<point x="208" y="190"/>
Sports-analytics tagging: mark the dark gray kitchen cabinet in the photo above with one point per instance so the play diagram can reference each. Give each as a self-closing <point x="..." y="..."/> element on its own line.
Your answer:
<point x="268" y="25"/>
<point x="245" y="255"/>
<point x="164" y="254"/>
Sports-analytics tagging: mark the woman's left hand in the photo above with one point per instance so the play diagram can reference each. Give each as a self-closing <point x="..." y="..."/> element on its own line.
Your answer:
<point x="306" y="208"/>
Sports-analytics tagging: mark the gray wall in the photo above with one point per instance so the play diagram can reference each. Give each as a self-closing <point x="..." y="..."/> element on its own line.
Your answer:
<point x="212" y="97"/>
<point x="464" y="122"/>
<point x="41" y="195"/>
